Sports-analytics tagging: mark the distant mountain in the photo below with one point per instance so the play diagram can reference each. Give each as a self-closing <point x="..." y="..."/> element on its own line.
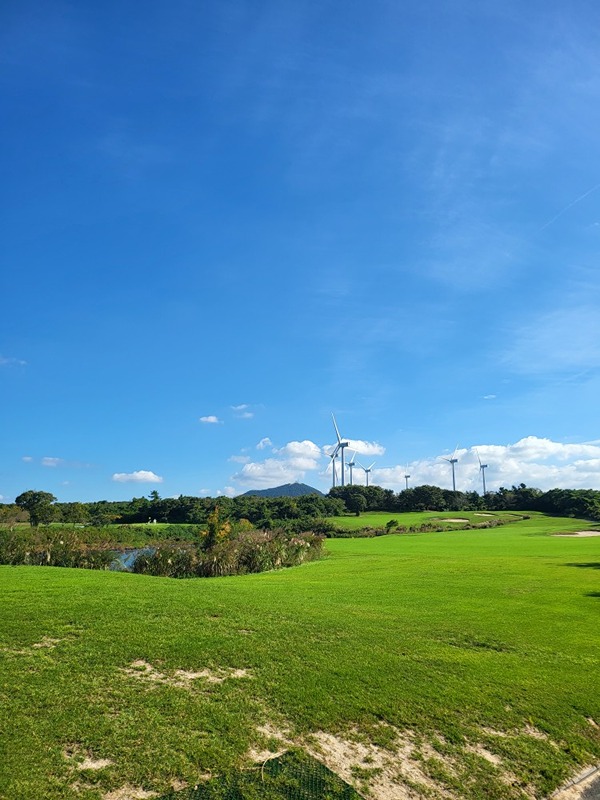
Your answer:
<point x="287" y="490"/>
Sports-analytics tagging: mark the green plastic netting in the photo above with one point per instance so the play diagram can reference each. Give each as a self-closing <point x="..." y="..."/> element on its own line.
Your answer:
<point x="292" y="776"/>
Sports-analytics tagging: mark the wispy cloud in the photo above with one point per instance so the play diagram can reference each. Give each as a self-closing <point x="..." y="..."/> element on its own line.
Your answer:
<point x="560" y="340"/>
<point x="6" y="361"/>
<point x="242" y="411"/>
<point x="139" y="476"/>
<point x="27" y="459"/>
<point x="211" y="419"/>
<point x="50" y="461"/>
<point x="264" y="443"/>
<point x="240" y="459"/>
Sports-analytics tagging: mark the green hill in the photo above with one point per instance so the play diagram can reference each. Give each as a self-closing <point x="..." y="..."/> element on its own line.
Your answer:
<point x="287" y="490"/>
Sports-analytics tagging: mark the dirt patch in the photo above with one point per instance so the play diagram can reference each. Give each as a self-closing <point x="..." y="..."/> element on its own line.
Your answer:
<point x="129" y="793"/>
<point x="74" y="752"/>
<point x="47" y="642"/>
<point x="493" y="732"/>
<point x="576" y="534"/>
<point x="480" y="750"/>
<point x="393" y="774"/>
<point x="94" y="763"/>
<point x="181" y="678"/>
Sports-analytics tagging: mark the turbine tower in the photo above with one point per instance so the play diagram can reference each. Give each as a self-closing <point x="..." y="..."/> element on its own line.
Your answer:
<point x="351" y="464"/>
<point x="340" y="446"/>
<point x="406" y="476"/>
<point x="482" y="469"/>
<point x="333" y="457"/>
<point x="452" y="461"/>
<point x="366" y="469"/>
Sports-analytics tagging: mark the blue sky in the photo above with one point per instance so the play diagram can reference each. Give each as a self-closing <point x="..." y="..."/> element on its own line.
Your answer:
<point x="224" y="221"/>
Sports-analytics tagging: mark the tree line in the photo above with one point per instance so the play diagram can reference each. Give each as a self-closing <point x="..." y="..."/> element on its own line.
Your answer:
<point x="271" y="512"/>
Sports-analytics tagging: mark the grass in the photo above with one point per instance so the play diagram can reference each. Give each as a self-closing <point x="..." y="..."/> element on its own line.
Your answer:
<point x="456" y="637"/>
<point x="379" y="519"/>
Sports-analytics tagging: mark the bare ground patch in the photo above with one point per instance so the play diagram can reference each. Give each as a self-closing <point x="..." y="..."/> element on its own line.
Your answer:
<point x="181" y="678"/>
<point x="129" y="793"/>
<point x="46" y="643"/>
<point x="85" y="760"/>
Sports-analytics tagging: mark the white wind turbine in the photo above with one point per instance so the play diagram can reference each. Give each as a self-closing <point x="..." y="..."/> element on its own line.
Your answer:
<point x="333" y="457"/>
<point x="406" y="476"/>
<point x="351" y="464"/>
<point x="482" y="469"/>
<point x="340" y="446"/>
<point x="452" y="461"/>
<point x="367" y="470"/>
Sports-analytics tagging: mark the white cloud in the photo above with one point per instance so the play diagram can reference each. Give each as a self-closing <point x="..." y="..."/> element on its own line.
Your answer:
<point x="27" y="459"/>
<point x="240" y="459"/>
<point x="228" y="491"/>
<point x="271" y="472"/>
<point x="264" y="443"/>
<point x="11" y="362"/>
<point x="362" y="448"/>
<point x="242" y="411"/>
<point x="49" y="461"/>
<point x="302" y="456"/>
<point x="489" y="396"/>
<point x="210" y="420"/>
<point x="537" y="462"/>
<point x="140" y="476"/>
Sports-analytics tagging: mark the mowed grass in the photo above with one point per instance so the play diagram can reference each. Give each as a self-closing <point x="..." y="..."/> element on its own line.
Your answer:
<point x="455" y="637"/>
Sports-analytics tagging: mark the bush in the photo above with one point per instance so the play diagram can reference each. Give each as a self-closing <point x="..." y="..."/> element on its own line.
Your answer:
<point x="247" y="552"/>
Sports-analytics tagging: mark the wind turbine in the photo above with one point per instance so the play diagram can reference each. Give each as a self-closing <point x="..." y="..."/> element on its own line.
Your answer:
<point x="366" y="469"/>
<point x="340" y="446"/>
<point x="406" y="476"/>
<point x="333" y="457"/>
<point x="482" y="469"/>
<point x="351" y="464"/>
<point x="452" y="461"/>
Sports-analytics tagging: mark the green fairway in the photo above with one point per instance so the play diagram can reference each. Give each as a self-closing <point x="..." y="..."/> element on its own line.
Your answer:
<point x="379" y="519"/>
<point x="469" y="659"/>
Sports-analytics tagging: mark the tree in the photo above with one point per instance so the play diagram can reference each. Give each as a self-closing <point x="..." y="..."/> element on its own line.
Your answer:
<point x="356" y="503"/>
<point x="39" y="505"/>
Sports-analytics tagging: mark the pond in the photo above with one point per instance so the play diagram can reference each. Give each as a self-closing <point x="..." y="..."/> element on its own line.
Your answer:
<point x="125" y="559"/>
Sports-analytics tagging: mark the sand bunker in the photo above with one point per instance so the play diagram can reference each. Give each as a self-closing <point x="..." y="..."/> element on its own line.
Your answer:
<point x="581" y="534"/>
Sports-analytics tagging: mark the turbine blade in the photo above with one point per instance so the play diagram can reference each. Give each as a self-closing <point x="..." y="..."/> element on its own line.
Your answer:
<point x="477" y="454"/>
<point x="372" y="465"/>
<point x="337" y="433"/>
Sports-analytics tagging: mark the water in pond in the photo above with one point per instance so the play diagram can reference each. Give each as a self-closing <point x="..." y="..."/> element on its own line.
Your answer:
<point x="125" y="559"/>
